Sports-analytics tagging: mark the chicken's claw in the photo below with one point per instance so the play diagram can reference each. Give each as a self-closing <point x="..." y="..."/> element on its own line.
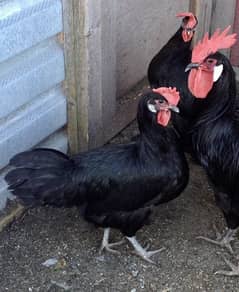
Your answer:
<point x="105" y="245"/>
<point x="222" y="240"/>
<point x="143" y="252"/>
<point x="234" y="269"/>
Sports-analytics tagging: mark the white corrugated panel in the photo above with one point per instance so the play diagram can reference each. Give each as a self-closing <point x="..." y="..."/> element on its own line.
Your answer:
<point x="32" y="103"/>
<point x="26" y="76"/>
<point x="24" y="23"/>
<point x="31" y="124"/>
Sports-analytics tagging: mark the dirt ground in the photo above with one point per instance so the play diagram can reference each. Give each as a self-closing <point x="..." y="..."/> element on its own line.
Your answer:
<point x="186" y="264"/>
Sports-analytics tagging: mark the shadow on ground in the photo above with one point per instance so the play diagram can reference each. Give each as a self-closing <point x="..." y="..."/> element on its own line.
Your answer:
<point x="187" y="264"/>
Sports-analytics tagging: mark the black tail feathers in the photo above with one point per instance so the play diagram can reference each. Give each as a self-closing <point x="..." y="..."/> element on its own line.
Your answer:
<point x="43" y="176"/>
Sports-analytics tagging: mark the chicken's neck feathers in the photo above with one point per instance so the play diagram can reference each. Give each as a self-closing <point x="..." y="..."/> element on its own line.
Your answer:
<point x="157" y="140"/>
<point x="177" y="43"/>
<point x="221" y="100"/>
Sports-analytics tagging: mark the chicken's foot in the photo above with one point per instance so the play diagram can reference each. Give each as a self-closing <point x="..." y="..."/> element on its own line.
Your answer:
<point x="108" y="246"/>
<point x="143" y="252"/>
<point x="234" y="269"/>
<point x="223" y="240"/>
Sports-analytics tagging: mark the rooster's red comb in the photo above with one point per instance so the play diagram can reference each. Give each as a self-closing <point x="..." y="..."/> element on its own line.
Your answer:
<point x="207" y="46"/>
<point x="192" y="22"/>
<point x="171" y="94"/>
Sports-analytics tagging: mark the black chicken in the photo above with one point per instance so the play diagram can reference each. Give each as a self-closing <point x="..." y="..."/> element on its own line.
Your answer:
<point x="168" y="66"/>
<point x="215" y="133"/>
<point x="119" y="184"/>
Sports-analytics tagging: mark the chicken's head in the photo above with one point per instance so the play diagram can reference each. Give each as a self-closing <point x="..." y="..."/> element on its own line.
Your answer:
<point x="189" y="24"/>
<point x="165" y="100"/>
<point x="206" y="68"/>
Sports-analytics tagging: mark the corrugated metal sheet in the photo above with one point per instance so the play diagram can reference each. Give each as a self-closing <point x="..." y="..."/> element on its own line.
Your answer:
<point x="32" y="103"/>
<point x="25" y="23"/>
<point x="26" y="76"/>
<point x="30" y="125"/>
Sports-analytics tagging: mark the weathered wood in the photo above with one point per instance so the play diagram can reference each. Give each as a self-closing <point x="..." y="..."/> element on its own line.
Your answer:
<point x="212" y="14"/>
<point x="234" y="58"/>
<point x="89" y="43"/>
<point x="108" y="59"/>
<point x="76" y="76"/>
<point x="223" y="13"/>
<point x="125" y="112"/>
<point x="203" y="10"/>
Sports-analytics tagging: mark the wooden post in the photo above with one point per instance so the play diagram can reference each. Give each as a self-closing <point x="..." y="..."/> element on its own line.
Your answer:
<point x="234" y="58"/>
<point x="76" y="75"/>
<point x="203" y="10"/>
<point x="223" y="13"/>
<point x="90" y="63"/>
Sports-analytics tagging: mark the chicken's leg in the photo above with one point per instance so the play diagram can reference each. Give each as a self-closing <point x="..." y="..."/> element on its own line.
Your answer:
<point x="143" y="252"/>
<point x="223" y="240"/>
<point x="105" y="242"/>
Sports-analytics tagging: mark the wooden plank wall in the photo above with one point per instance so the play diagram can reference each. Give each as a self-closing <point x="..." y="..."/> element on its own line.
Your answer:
<point x="93" y="114"/>
<point x="203" y="10"/>
<point x="235" y="48"/>
<point x="213" y="14"/>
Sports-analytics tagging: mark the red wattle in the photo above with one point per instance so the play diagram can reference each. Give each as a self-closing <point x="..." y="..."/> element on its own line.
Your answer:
<point x="163" y="117"/>
<point x="200" y="82"/>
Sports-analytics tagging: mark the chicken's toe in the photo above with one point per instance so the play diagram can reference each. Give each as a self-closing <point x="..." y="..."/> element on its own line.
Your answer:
<point x="222" y="240"/>
<point x="143" y="252"/>
<point x="234" y="269"/>
<point x="105" y="245"/>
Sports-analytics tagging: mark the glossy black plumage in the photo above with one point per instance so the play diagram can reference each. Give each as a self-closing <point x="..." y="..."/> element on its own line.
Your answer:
<point x="215" y="139"/>
<point x="167" y="68"/>
<point x="117" y="183"/>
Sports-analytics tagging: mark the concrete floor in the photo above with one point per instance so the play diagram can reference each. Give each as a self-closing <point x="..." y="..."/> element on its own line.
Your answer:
<point x="187" y="264"/>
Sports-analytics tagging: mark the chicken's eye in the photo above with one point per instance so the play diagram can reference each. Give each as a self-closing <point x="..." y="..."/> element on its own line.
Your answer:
<point x="210" y="61"/>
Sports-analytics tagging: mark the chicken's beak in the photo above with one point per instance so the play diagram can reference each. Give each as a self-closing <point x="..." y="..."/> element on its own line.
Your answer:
<point x="174" y="108"/>
<point x="191" y="66"/>
<point x="187" y="35"/>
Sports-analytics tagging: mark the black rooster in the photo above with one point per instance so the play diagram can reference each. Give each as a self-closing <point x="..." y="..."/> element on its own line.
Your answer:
<point x="215" y="133"/>
<point x="119" y="184"/>
<point x="168" y="66"/>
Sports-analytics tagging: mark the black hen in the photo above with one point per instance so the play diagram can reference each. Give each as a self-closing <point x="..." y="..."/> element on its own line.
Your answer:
<point x="215" y="133"/>
<point x="118" y="184"/>
<point x="167" y="68"/>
